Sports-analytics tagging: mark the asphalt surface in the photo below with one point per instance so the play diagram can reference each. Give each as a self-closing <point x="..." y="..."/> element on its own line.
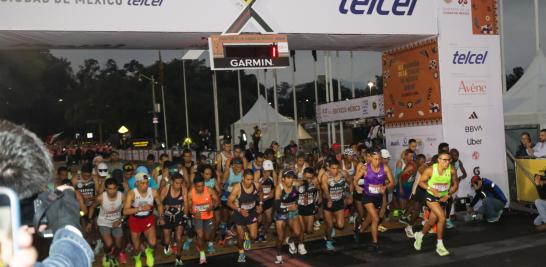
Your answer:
<point x="511" y="242"/>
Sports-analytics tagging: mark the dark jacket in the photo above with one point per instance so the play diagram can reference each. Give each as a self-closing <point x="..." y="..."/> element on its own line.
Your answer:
<point x="488" y="189"/>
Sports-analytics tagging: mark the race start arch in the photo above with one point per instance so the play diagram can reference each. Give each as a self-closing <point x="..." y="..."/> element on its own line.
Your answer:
<point x="441" y="58"/>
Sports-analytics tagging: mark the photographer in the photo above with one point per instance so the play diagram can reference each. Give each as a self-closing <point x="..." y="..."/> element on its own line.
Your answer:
<point x="540" y="203"/>
<point x="26" y="167"/>
<point x="493" y="199"/>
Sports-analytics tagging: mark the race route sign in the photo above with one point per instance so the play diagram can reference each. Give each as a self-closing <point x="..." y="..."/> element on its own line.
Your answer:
<point x="359" y="108"/>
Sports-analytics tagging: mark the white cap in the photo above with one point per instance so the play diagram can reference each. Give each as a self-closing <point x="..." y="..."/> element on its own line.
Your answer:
<point x="141" y="177"/>
<point x="268" y="165"/>
<point x="102" y="169"/>
<point x="385" y="154"/>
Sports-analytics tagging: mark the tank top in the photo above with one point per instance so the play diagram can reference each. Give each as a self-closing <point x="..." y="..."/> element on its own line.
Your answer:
<point x="442" y="183"/>
<point x="87" y="189"/>
<point x="211" y="183"/>
<point x="308" y="194"/>
<point x="173" y="204"/>
<point x="374" y="180"/>
<point x="336" y="189"/>
<point x="224" y="159"/>
<point x="201" y="203"/>
<point x="141" y="201"/>
<point x="350" y="171"/>
<point x="299" y="170"/>
<point x="254" y="168"/>
<point x="232" y="180"/>
<point x="110" y="210"/>
<point x="288" y="199"/>
<point x="268" y="187"/>
<point x="398" y="171"/>
<point x="247" y="201"/>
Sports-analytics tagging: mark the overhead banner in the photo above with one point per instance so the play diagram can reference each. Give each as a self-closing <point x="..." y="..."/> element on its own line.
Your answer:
<point x="411" y="85"/>
<point x="412" y="17"/>
<point x="358" y="108"/>
<point x="471" y="85"/>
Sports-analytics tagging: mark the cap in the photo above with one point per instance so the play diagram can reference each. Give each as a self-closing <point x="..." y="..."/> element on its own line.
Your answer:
<point x="290" y="173"/>
<point x="128" y="167"/>
<point x="237" y="161"/>
<point x="142" y="169"/>
<point x="139" y="177"/>
<point x="475" y="179"/>
<point x="268" y="165"/>
<point x="103" y="169"/>
<point x="348" y="151"/>
<point x="385" y="154"/>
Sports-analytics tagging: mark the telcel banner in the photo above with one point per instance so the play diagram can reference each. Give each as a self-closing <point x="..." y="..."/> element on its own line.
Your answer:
<point x="365" y="107"/>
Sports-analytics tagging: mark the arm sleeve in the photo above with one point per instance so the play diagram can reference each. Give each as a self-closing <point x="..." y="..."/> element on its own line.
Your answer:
<point x="499" y="193"/>
<point x="476" y="198"/>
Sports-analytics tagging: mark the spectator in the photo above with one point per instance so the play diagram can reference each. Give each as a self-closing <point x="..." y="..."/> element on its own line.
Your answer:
<point x="525" y="148"/>
<point x="493" y="199"/>
<point x="540" y="203"/>
<point x="539" y="151"/>
<point x="115" y="163"/>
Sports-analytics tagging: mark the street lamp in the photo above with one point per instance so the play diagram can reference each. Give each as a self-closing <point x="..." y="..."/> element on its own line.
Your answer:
<point x="154" y="114"/>
<point x="371" y="85"/>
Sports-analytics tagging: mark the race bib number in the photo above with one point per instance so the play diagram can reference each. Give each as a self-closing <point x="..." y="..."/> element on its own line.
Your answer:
<point x="267" y="189"/>
<point x="336" y="195"/>
<point x="202" y="208"/>
<point x="441" y="187"/>
<point x="286" y="205"/>
<point x="230" y="188"/>
<point x="248" y="206"/>
<point x="375" y="189"/>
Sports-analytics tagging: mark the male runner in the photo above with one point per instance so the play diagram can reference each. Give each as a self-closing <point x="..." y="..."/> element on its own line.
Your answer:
<point x="267" y="185"/>
<point x="202" y="202"/>
<point x="309" y="195"/>
<point x="174" y="198"/>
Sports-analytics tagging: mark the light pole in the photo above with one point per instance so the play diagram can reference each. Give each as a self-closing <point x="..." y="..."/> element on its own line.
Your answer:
<point x="154" y="113"/>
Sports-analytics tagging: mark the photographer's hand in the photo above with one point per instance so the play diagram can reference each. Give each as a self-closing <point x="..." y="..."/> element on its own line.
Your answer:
<point x="27" y="255"/>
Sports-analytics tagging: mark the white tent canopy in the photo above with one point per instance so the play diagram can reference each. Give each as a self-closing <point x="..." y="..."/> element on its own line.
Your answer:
<point x="265" y="117"/>
<point x="524" y="103"/>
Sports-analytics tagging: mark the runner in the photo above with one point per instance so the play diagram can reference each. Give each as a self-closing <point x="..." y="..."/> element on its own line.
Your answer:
<point x="233" y="174"/>
<point x="406" y="178"/>
<point x="202" y="202"/>
<point x="207" y="173"/>
<point x="440" y="182"/>
<point x="110" y="221"/>
<point x="465" y="188"/>
<point x="87" y="185"/>
<point x="139" y="207"/>
<point x="377" y="179"/>
<point x="257" y="164"/>
<point x="174" y="199"/>
<point x="286" y="206"/>
<point x="333" y="185"/>
<point x="416" y="200"/>
<point x="243" y="200"/>
<point x="300" y="165"/>
<point x="223" y="156"/>
<point x="267" y="182"/>
<point x="308" y="200"/>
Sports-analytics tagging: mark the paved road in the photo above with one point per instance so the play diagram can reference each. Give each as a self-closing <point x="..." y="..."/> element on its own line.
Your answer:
<point x="511" y="242"/>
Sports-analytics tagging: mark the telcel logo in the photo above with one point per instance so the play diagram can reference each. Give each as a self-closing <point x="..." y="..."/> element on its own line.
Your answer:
<point x="469" y="57"/>
<point x="361" y="7"/>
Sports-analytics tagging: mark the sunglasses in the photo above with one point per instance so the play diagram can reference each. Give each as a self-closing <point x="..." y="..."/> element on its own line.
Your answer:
<point x="103" y="170"/>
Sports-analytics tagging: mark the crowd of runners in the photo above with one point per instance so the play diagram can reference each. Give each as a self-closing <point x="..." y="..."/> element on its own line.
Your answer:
<point x="172" y="203"/>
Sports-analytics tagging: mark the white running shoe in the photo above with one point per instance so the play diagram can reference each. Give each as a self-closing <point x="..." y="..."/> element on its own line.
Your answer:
<point x="301" y="249"/>
<point x="98" y="247"/>
<point x="409" y="231"/>
<point x="279" y="260"/>
<point x="292" y="248"/>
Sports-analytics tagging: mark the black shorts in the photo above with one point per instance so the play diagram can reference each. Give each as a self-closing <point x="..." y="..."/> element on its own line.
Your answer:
<point x="376" y="200"/>
<point x="225" y="205"/>
<point x="336" y="205"/>
<point x="238" y="219"/>
<point x="173" y="221"/>
<point x="308" y="210"/>
<point x="357" y="196"/>
<point x="419" y="196"/>
<point x="268" y="204"/>
<point x="431" y="198"/>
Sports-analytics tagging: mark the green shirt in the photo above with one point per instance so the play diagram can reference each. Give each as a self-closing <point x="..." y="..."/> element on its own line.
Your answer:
<point x="442" y="183"/>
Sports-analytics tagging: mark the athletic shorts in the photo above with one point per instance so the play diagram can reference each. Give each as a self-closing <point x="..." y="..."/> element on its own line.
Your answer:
<point x="141" y="224"/>
<point x="419" y="196"/>
<point x="225" y="205"/>
<point x="238" y="219"/>
<point x="357" y="196"/>
<point x="432" y="198"/>
<point x="286" y="216"/>
<point x="336" y="205"/>
<point x="173" y="221"/>
<point x="205" y="225"/>
<point x="376" y="200"/>
<point x="115" y="232"/>
<point x="308" y="210"/>
<point x="268" y="204"/>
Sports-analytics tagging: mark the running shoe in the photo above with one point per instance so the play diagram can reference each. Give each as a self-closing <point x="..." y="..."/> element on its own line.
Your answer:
<point x="122" y="257"/>
<point x="316" y="225"/>
<point x="203" y="261"/>
<point x="247" y="245"/>
<point x="356" y="236"/>
<point x="138" y="261"/>
<point x="292" y="248"/>
<point x="409" y="231"/>
<point x="178" y="262"/>
<point x="382" y="228"/>
<point x="441" y="250"/>
<point x="404" y="220"/>
<point x="449" y="224"/>
<point x="330" y="245"/>
<point x="418" y="241"/>
<point x="186" y="245"/>
<point x="167" y="251"/>
<point x="242" y="258"/>
<point x="496" y="218"/>
<point x="149" y="256"/>
<point x="261" y="238"/>
<point x="278" y="260"/>
<point x="210" y="248"/>
<point x="106" y="261"/>
<point x="374" y="247"/>
<point x="333" y="233"/>
<point x="301" y="249"/>
<point x="98" y="247"/>
<point x="115" y="262"/>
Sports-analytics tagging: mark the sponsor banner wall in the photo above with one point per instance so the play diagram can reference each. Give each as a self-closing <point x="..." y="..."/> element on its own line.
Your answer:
<point x="471" y="87"/>
<point x="364" y="107"/>
<point x="411" y="85"/>
<point x="428" y="138"/>
<point x="283" y="16"/>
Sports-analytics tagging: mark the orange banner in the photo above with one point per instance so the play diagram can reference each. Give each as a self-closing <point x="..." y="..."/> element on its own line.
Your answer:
<point x="411" y="85"/>
<point x="484" y="17"/>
